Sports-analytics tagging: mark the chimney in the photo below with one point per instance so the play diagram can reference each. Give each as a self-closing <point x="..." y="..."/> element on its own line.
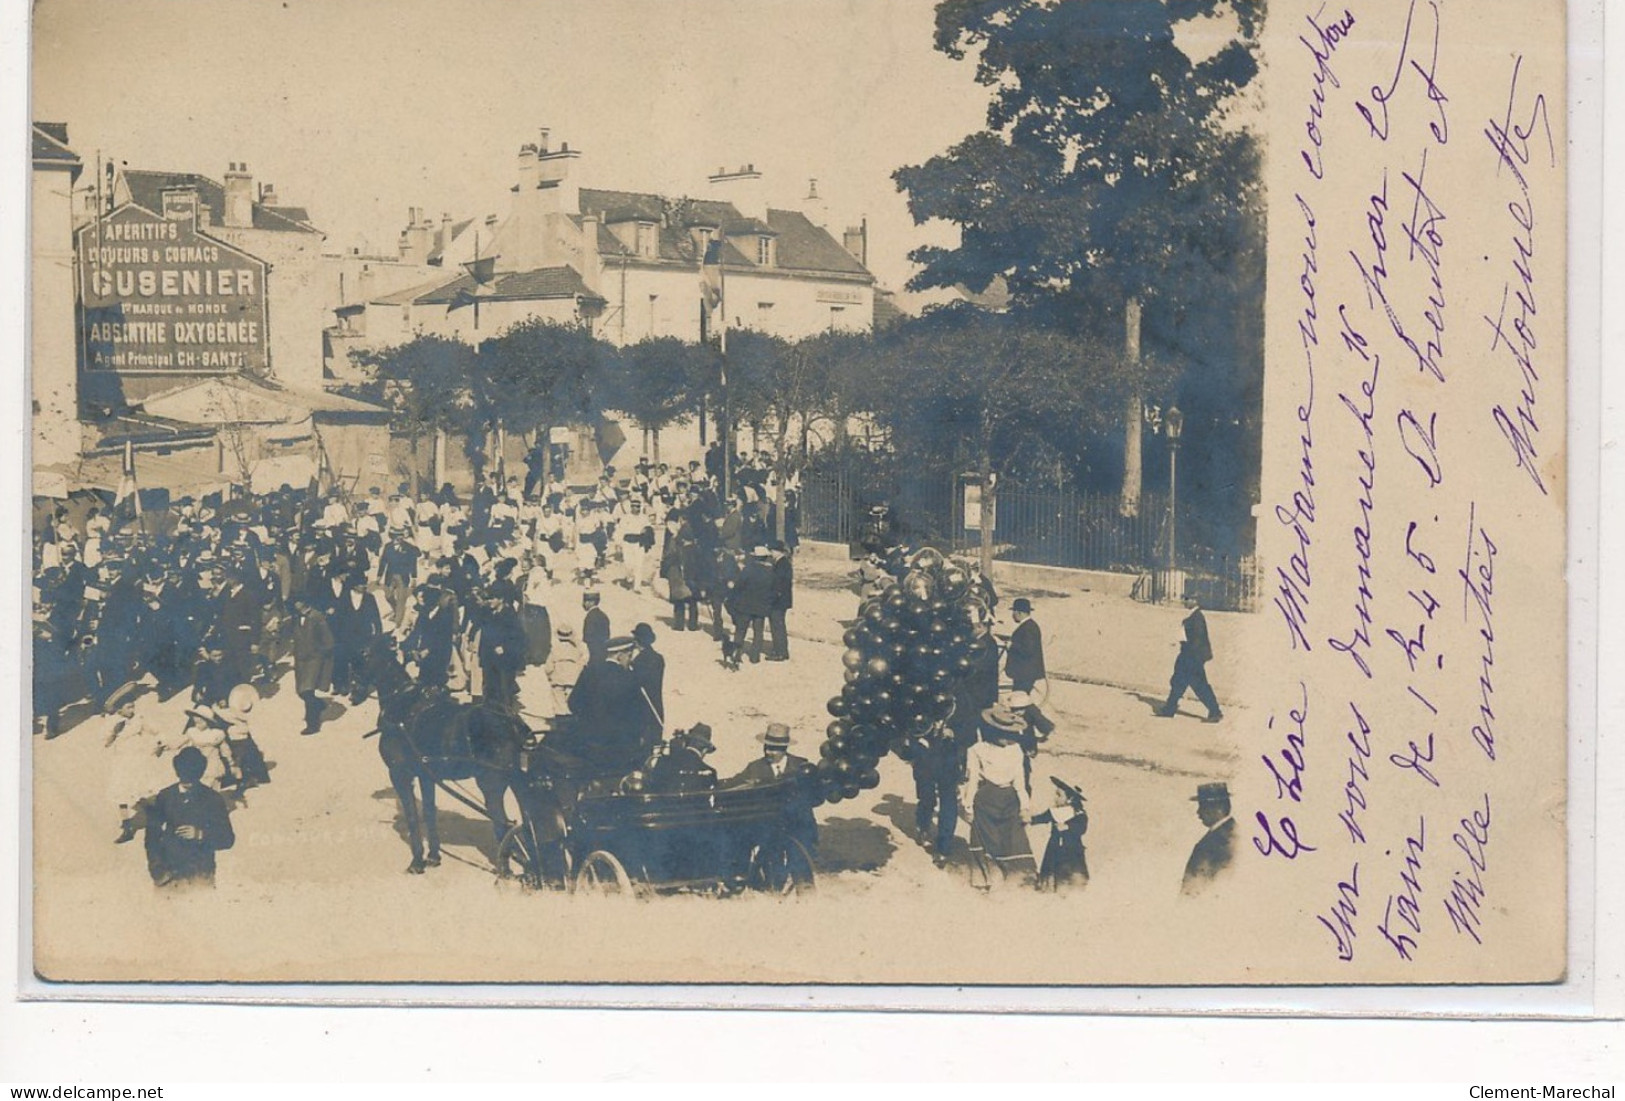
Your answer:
<point x="542" y="146"/>
<point x="268" y="195"/>
<point x="592" y="263"/>
<point x="560" y="171"/>
<point x="742" y="188"/>
<point x="415" y="238"/>
<point x="445" y="236"/>
<point x="527" y="167"/>
<point x="239" y="213"/>
<point x="814" y="206"/>
<point x="856" y="240"/>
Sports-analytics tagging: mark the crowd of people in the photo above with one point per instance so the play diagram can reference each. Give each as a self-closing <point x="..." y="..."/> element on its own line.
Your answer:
<point x="209" y="597"/>
<point x="214" y="597"/>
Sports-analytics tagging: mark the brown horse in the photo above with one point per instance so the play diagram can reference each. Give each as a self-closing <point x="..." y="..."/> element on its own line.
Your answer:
<point x="426" y="737"/>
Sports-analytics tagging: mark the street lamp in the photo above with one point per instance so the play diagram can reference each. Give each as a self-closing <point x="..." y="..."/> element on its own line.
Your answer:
<point x="1175" y="426"/>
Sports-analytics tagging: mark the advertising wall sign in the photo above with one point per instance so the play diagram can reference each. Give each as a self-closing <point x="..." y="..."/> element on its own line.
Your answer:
<point x="160" y="296"/>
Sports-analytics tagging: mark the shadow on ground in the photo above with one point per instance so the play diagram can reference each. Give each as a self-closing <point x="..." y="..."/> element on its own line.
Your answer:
<point x="853" y="845"/>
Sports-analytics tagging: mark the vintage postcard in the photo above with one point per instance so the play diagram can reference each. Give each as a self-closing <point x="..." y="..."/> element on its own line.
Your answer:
<point x="1007" y="493"/>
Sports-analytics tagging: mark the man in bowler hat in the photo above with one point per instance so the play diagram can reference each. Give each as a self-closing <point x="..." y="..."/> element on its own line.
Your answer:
<point x="1214" y="852"/>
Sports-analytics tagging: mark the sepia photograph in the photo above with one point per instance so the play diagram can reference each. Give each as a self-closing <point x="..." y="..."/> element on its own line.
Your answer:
<point x="715" y="492"/>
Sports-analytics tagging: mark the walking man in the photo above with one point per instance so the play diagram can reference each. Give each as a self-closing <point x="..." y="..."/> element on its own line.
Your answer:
<point x="784" y="582"/>
<point x="1190" y="669"/>
<point x="312" y="659"/>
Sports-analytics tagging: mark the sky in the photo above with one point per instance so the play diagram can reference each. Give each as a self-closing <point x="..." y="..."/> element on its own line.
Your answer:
<point x="359" y="109"/>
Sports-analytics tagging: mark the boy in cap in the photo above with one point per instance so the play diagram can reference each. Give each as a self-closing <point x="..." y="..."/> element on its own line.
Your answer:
<point x="187" y="823"/>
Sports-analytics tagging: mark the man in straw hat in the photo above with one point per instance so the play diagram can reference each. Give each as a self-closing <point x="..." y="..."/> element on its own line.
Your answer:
<point x="775" y="765"/>
<point x="1213" y="854"/>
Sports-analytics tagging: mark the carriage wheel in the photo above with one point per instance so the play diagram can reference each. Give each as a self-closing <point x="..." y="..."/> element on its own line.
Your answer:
<point x="602" y="874"/>
<point x="533" y="864"/>
<point x="781" y="866"/>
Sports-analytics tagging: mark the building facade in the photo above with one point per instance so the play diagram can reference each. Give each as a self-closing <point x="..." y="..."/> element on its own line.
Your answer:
<point x="626" y="263"/>
<point x="52" y="348"/>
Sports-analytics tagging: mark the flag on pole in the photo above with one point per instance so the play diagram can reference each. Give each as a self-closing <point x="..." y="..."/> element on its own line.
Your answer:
<point x="127" y="489"/>
<point x="712" y="288"/>
<point x="711" y="274"/>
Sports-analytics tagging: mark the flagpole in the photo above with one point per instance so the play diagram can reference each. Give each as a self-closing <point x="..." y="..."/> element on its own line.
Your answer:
<point x="725" y="427"/>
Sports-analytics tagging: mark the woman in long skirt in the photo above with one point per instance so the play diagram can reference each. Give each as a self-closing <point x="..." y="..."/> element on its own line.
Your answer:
<point x="996" y="799"/>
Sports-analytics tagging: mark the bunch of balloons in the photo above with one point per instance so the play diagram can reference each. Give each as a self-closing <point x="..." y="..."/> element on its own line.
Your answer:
<point x="912" y="643"/>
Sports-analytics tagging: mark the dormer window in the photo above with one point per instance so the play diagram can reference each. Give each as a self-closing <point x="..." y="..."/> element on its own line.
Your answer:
<point x="647" y="240"/>
<point x="764" y="251"/>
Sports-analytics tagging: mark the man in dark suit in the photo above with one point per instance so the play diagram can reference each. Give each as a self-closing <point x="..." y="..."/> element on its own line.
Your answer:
<point x="312" y="659"/>
<point x="354" y="619"/>
<point x="239" y="619"/>
<point x="751" y="604"/>
<point x="594" y="628"/>
<point x="1190" y="669"/>
<point x="784" y="584"/>
<point x="609" y="713"/>
<point x="187" y="823"/>
<point x="1024" y="661"/>
<point x="683" y="767"/>
<point x="1213" y="854"/>
<point x="433" y="636"/>
<point x="777" y="764"/>
<point x="649" y="666"/>
<point x="501" y="653"/>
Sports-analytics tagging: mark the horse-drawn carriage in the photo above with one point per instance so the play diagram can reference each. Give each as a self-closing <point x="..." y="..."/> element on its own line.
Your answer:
<point x="584" y="832"/>
<point x="716" y="841"/>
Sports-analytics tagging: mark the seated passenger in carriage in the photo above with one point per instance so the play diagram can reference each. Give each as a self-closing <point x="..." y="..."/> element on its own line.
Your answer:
<point x="777" y="764"/>
<point x="682" y="767"/>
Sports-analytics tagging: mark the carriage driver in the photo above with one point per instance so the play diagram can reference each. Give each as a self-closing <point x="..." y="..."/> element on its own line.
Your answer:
<point x="612" y="721"/>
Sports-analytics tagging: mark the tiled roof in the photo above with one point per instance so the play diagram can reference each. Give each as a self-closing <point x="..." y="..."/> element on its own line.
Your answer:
<point x="802" y="246"/>
<point x="292" y="213"/>
<point x="410" y="294"/>
<point x="560" y="282"/>
<point x="51" y="144"/>
<point x="147" y="190"/>
<point x="805" y="247"/>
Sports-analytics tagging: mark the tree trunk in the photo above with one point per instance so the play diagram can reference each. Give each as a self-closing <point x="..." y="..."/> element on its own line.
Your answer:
<point x="989" y="503"/>
<point x="437" y="461"/>
<point x="654" y="436"/>
<point x="1133" y="413"/>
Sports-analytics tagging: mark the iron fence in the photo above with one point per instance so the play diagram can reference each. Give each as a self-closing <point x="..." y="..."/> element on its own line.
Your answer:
<point x="1045" y="527"/>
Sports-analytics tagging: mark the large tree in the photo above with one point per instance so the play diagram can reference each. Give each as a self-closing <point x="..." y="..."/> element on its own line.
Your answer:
<point x="425" y="382"/>
<point x="1114" y="180"/>
<point x="990" y="393"/>
<point x="656" y="380"/>
<point x="538" y="374"/>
